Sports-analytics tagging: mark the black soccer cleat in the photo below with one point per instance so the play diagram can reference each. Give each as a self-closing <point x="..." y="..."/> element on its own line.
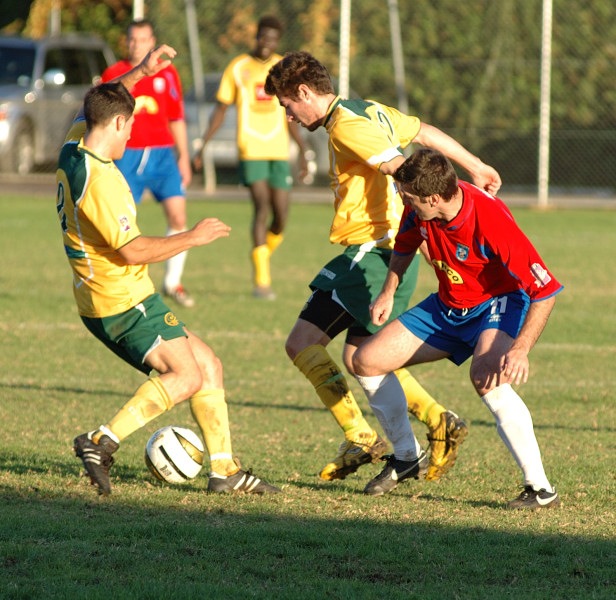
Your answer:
<point x="241" y="482"/>
<point x="396" y="471"/>
<point x="531" y="499"/>
<point x="96" y="459"/>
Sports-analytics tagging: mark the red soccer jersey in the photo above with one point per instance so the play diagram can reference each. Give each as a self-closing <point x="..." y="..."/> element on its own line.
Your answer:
<point x="158" y="100"/>
<point x="480" y="254"/>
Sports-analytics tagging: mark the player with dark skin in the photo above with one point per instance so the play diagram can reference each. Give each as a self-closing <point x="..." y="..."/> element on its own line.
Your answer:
<point x="267" y="197"/>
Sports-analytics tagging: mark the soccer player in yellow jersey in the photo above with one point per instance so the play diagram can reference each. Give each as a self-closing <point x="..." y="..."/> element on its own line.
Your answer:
<point x="263" y="145"/>
<point x="115" y="295"/>
<point x="365" y="141"/>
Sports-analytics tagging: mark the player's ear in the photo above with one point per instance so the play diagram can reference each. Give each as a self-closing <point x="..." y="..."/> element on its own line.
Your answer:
<point x="303" y="92"/>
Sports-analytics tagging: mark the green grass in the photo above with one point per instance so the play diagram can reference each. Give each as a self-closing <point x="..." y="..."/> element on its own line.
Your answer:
<point x="449" y="539"/>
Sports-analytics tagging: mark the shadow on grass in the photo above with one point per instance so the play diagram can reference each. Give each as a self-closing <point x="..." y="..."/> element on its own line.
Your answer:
<point x="62" y="389"/>
<point x="246" y="547"/>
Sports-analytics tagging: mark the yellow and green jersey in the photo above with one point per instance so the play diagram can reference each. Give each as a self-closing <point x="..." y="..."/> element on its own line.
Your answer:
<point x="98" y="216"/>
<point x="362" y="135"/>
<point x="262" y="132"/>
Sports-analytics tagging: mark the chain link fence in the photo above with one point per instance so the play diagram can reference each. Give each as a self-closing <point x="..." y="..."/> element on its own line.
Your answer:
<point x="470" y="68"/>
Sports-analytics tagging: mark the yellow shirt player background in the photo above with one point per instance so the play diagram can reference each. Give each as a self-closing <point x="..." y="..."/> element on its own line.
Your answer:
<point x="368" y="208"/>
<point x="103" y="284"/>
<point x="262" y="132"/>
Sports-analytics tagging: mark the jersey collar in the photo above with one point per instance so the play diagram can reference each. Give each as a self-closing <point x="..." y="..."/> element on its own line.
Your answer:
<point x="331" y="109"/>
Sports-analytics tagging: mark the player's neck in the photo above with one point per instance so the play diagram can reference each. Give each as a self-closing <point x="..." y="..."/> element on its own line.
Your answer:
<point x="450" y="209"/>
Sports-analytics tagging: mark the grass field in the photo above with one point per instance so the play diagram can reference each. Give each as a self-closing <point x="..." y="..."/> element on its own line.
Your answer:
<point x="449" y="539"/>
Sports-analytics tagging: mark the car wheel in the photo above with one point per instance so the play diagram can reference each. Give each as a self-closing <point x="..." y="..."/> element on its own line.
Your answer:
<point x="23" y="151"/>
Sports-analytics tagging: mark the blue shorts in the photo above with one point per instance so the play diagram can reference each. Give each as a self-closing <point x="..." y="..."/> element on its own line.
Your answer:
<point x="456" y="330"/>
<point x="152" y="168"/>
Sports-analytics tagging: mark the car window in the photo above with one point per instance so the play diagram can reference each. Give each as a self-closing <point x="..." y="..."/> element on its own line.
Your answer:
<point x="16" y="63"/>
<point x="73" y="63"/>
<point x="99" y="62"/>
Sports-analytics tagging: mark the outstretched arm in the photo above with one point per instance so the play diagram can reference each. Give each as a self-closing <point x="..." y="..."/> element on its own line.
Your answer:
<point x="149" y="66"/>
<point x="484" y="176"/>
<point x="145" y="250"/>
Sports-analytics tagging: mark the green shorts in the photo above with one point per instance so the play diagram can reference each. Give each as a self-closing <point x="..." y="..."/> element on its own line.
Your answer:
<point x="136" y="332"/>
<point x="276" y="172"/>
<point x="355" y="279"/>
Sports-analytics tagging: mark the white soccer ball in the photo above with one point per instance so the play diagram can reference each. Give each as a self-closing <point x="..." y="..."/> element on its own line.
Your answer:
<point x="174" y="454"/>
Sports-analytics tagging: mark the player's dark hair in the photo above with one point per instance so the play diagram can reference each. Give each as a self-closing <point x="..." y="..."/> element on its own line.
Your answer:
<point x="297" y="68"/>
<point x="141" y="23"/>
<point x="428" y="172"/>
<point x="269" y="22"/>
<point x="105" y="101"/>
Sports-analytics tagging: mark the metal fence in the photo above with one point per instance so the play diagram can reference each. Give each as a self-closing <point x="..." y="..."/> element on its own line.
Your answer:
<point x="472" y="69"/>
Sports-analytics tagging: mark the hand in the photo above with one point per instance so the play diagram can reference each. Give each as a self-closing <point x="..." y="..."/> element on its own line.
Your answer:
<point x="515" y="366"/>
<point x="197" y="162"/>
<point x="208" y="230"/>
<point x="303" y="166"/>
<point x="152" y="63"/>
<point x="381" y="308"/>
<point x="488" y="179"/>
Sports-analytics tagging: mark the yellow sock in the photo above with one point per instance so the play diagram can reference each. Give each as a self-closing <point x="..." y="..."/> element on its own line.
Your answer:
<point x="332" y="387"/>
<point x="150" y="400"/>
<point x="209" y="409"/>
<point x="419" y="402"/>
<point x="260" y="261"/>
<point x="273" y="240"/>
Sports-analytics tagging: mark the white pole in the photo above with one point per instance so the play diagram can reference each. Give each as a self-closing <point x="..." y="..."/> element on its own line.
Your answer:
<point x="544" y="104"/>
<point x="345" y="45"/>
<point x="398" y="58"/>
<point x="138" y="9"/>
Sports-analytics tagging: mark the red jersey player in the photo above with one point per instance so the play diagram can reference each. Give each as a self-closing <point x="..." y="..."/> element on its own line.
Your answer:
<point x="494" y="299"/>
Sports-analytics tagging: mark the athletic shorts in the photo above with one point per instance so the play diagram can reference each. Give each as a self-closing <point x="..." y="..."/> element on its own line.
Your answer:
<point x="276" y="172"/>
<point x="456" y="330"/>
<point x="152" y="168"/>
<point x="354" y="279"/>
<point x="136" y="332"/>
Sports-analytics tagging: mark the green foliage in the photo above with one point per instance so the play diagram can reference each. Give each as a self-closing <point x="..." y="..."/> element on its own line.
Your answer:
<point x="449" y="539"/>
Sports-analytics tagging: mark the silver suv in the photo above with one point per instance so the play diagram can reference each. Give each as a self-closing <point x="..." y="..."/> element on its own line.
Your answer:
<point x="42" y="84"/>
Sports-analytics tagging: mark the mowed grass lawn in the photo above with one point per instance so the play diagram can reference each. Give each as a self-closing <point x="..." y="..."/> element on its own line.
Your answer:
<point x="448" y="539"/>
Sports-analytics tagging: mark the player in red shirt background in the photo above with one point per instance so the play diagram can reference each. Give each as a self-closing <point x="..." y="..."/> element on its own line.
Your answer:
<point x="494" y="299"/>
<point x="158" y="132"/>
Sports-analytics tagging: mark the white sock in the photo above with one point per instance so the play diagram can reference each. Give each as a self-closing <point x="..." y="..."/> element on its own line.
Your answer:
<point x="515" y="427"/>
<point x="174" y="266"/>
<point x="388" y="403"/>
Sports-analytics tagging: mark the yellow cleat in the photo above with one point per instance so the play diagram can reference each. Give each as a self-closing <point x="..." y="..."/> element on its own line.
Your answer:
<point x="444" y="441"/>
<point x="353" y="454"/>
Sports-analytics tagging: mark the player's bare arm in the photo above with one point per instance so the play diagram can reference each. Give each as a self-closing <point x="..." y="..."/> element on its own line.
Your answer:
<point x="389" y="167"/>
<point x="295" y="133"/>
<point x="178" y="131"/>
<point x="216" y="120"/>
<point x="145" y="250"/>
<point x="484" y="176"/>
<point x="516" y="365"/>
<point x="149" y="66"/>
<point x="381" y="308"/>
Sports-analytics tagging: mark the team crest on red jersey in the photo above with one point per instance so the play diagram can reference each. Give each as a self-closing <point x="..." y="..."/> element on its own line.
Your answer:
<point x="462" y="252"/>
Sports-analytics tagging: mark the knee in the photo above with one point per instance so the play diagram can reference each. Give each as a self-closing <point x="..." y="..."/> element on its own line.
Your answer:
<point x="293" y="347"/>
<point x="347" y="360"/>
<point x="483" y="377"/>
<point x="360" y="365"/>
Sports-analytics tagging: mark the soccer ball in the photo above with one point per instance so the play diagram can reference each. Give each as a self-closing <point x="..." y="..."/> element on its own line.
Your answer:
<point x="174" y="454"/>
